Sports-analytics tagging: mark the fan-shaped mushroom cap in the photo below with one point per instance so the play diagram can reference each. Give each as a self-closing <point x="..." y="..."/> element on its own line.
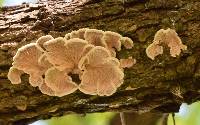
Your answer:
<point x="14" y="75"/>
<point x="127" y="63"/>
<point x="42" y="61"/>
<point x="46" y="90"/>
<point x="174" y="42"/>
<point x="112" y="40"/>
<point x="95" y="37"/>
<point x="67" y="36"/>
<point x="87" y="48"/>
<point x="64" y="54"/>
<point x="94" y="57"/>
<point x="59" y="82"/>
<point x="26" y="59"/>
<point x="102" y="74"/>
<point x="159" y="37"/>
<point x="127" y="42"/>
<point x="78" y="34"/>
<point x="168" y="37"/>
<point x="42" y="40"/>
<point x="154" y="50"/>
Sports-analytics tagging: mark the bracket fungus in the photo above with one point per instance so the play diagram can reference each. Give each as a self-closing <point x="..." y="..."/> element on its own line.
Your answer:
<point x="95" y="37"/>
<point x="23" y="62"/>
<point x="59" y="82"/>
<point x="85" y="52"/>
<point x="168" y="37"/>
<point x="14" y="75"/>
<point x="64" y="55"/>
<point x="78" y="34"/>
<point x="42" y="40"/>
<point x="127" y="42"/>
<point x="127" y="63"/>
<point x="102" y="74"/>
<point x="113" y="42"/>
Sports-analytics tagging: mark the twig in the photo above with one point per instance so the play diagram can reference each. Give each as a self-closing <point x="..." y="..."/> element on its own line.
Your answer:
<point x="122" y="116"/>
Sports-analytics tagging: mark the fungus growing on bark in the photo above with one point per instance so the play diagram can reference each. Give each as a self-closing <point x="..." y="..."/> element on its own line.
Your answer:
<point x="67" y="36"/>
<point x="78" y="34"/>
<point x="26" y="60"/>
<point x="174" y="42"/>
<point x="102" y="74"/>
<point x="46" y="90"/>
<point x="86" y="52"/>
<point x="127" y="42"/>
<point x="59" y="82"/>
<point x="113" y="42"/>
<point x="95" y="37"/>
<point x="154" y="50"/>
<point x="64" y="54"/>
<point x="42" y="40"/>
<point x="94" y="57"/>
<point x="14" y="75"/>
<point x="127" y="63"/>
<point x="168" y="37"/>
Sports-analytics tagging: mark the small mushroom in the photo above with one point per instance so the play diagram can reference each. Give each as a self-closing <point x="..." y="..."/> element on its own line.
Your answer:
<point x="59" y="82"/>
<point x="64" y="54"/>
<point x="78" y="34"/>
<point x="95" y="37"/>
<point x="14" y="75"/>
<point x="154" y="50"/>
<point x="127" y="42"/>
<point x="26" y="60"/>
<point x="112" y="40"/>
<point x="174" y="42"/>
<point x="102" y="74"/>
<point x="168" y="37"/>
<point x="127" y="63"/>
<point x="42" y="40"/>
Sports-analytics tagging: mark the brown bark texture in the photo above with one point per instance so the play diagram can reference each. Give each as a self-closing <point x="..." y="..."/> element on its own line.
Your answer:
<point x="159" y="85"/>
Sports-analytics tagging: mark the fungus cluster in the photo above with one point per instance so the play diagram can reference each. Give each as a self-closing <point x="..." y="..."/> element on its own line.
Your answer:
<point x="167" y="37"/>
<point x="89" y="53"/>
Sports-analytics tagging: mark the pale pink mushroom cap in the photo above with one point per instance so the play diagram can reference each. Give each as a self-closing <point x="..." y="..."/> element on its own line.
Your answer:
<point x="78" y="34"/>
<point x="154" y="50"/>
<point x="14" y="75"/>
<point x="46" y="90"/>
<point x="42" y="40"/>
<point x="112" y="40"/>
<point x="64" y="54"/>
<point x="59" y="82"/>
<point x="95" y="37"/>
<point x="42" y="61"/>
<point x="127" y="42"/>
<point x="174" y="43"/>
<point x="127" y="63"/>
<point x="168" y="37"/>
<point x="94" y="57"/>
<point x="102" y="75"/>
<point x="26" y="59"/>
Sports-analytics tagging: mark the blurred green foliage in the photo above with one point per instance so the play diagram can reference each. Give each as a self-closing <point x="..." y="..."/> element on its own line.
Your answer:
<point x="1" y="3"/>
<point x="188" y="115"/>
<point x="89" y="119"/>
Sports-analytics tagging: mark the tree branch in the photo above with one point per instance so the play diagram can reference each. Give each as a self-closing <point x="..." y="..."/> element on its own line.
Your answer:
<point x="159" y="85"/>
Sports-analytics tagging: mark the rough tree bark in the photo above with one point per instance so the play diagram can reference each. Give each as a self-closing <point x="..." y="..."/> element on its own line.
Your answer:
<point x="160" y="85"/>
